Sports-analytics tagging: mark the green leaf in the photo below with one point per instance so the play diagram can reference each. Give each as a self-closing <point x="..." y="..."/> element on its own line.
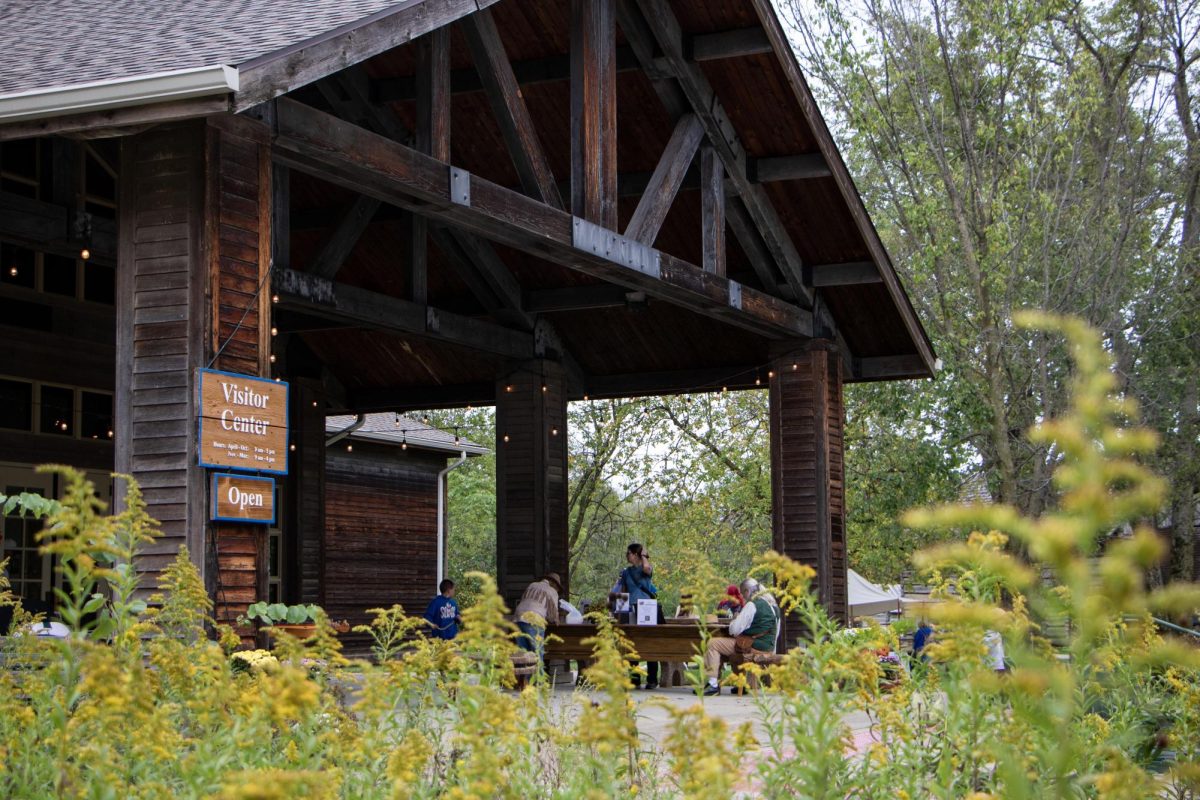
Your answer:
<point x="97" y="600"/>
<point x="296" y="615"/>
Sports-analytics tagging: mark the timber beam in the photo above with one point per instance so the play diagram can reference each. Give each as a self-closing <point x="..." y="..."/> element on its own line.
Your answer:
<point x="554" y="69"/>
<point x="420" y="398"/>
<point x="309" y="294"/>
<point x="45" y="226"/>
<point x="679" y="76"/>
<point x="889" y="368"/>
<point x="580" y="298"/>
<point x="340" y="244"/>
<point x="312" y="141"/>
<point x="852" y="273"/>
<point x="504" y="95"/>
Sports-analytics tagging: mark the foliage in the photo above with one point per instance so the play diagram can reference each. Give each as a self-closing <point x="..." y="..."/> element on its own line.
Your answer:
<point x="170" y="715"/>
<point x="281" y="613"/>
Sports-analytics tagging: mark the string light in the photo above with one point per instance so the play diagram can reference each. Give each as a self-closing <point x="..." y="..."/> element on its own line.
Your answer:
<point x="12" y="271"/>
<point x="349" y="448"/>
<point x="274" y="298"/>
<point x="292" y="447"/>
<point x="403" y="439"/>
<point x="85" y="254"/>
<point x="506" y="439"/>
<point x="272" y="358"/>
<point x="110" y="434"/>
<point x="795" y="366"/>
<point x="397" y="420"/>
<point x="274" y="331"/>
<point x="314" y="403"/>
<point x="554" y="431"/>
<point x="757" y="381"/>
<point x="771" y="374"/>
<point x="543" y="387"/>
<point x="585" y="398"/>
<point x="508" y="388"/>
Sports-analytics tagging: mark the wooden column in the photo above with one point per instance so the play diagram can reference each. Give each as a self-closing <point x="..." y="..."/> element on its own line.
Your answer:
<point x="531" y="476"/>
<point x="305" y="523"/>
<point x="238" y="247"/>
<point x="162" y="329"/>
<point x="594" y="111"/>
<point x="808" y="498"/>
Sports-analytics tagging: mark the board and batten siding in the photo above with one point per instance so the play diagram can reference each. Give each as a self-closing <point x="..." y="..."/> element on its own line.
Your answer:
<point x="161" y="333"/>
<point x="380" y="544"/>
<point x="807" y="466"/>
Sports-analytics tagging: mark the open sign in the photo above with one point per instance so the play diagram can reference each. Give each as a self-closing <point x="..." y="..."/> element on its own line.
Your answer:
<point x="243" y="498"/>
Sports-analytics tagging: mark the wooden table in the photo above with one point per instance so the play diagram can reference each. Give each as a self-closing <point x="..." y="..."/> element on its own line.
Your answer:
<point x="667" y="642"/>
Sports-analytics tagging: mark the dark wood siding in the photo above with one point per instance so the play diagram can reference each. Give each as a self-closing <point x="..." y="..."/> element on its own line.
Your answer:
<point x="238" y="227"/>
<point x="531" y="477"/>
<point x="306" y="527"/>
<point x="380" y="544"/>
<point x="808" y="494"/>
<point x="161" y="332"/>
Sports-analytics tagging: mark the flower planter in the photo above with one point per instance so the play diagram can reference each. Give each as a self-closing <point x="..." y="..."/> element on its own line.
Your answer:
<point x="302" y="631"/>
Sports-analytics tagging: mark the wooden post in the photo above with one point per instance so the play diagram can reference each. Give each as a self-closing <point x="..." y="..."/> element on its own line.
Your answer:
<point x="305" y="524"/>
<point x="712" y="201"/>
<point x="808" y="499"/>
<point x="162" y="329"/>
<point x="594" y="111"/>
<point x="531" y="476"/>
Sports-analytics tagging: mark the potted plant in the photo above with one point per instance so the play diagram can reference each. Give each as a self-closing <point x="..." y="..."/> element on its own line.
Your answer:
<point x="298" y="620"/>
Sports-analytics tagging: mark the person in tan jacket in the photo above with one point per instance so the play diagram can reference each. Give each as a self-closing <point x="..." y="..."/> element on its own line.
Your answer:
<point x="538" y="607"/>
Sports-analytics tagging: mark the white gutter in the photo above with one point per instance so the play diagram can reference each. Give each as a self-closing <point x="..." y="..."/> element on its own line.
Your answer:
<point x="138" y="90"/>
<point x="441" y="526"/>
<point x="346" y="431"/>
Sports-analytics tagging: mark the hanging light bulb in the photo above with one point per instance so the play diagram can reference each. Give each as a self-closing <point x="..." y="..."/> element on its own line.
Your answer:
<point x="757" y="381"/>
<point x="272" y="358"/>
<point x="13" y="270"/>
<point x="543" y="387"/>
<point x="63" y="425"/>
<point x="795" y="366"/>
<point x="349" y="448"/>
<point x="724" y="389"/>
<point x="554" y="431"/>
<point x="425" y="419"/>
<point x="110" y="434"/>
<point x="292" y="447"/>
<point x="274" y="298"/>
<point x="397" y="420"/>
<point x="85" y="254"/>
<point x="771" y="374"/>
<point x="506" y="439"/>
<point x="314" y="403"/>
<point x="274" y="331"/>
<point x="404" y="440"/>
<point x="585" y="398"/>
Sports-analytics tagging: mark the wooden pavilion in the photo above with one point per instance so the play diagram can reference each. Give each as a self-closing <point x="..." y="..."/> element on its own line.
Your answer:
<point x="438" y="203"/>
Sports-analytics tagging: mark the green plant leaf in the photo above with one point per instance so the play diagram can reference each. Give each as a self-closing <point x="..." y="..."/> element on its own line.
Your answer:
<point x="296" y="615"/>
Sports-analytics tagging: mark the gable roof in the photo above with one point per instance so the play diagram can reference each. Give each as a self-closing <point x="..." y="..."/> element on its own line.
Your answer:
<point x="396" y="430"/>
<point x="99" y="40"/>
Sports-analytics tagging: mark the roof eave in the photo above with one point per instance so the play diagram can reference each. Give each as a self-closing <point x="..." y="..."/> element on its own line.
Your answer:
<point x="139" y="90"/>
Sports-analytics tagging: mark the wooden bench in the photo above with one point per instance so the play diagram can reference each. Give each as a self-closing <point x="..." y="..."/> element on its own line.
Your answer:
<point x="738" y="662"/>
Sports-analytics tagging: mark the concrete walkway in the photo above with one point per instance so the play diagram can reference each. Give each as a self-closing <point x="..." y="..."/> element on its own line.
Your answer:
<point x="654" y="720"/>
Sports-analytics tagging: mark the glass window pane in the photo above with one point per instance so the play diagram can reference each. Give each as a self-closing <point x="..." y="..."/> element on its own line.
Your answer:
<point x="95" y="415"/>
<point x="58" y="410"/>
<point x="58" y="275"/>
<point x="99" y="283"/>
<point x="19" y="158"/>
<point x="16" y="265"/>
<point x="16" y="405"/>
<point x="33" y="565"/>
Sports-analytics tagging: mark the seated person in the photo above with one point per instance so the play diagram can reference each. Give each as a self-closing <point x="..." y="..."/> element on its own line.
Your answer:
<point x="757" y="620"/>
<point x="732" y="602"/>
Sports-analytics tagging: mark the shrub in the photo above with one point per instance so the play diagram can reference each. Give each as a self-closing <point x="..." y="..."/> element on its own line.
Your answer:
<point x="140" y="702"/>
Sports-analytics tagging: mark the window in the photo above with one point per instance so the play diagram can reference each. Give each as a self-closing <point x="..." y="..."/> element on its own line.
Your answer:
<point x="19" y="167"/>
<point x="28" y="570"/>
<point x="16" y="405"/>
<point x="95" y="415"/>
<point x="57" y="410"/>
<point x="59" y="275"/>
<point x="275" y="561"/>
<point x="18" y="266"/>
<point x="99" y="283"/>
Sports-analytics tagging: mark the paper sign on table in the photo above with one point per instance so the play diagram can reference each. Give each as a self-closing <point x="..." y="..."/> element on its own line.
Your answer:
<point x="647" y="612"/>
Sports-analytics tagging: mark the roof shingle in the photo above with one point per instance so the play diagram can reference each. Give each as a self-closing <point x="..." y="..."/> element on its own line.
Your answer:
<point x="52" y="43"/>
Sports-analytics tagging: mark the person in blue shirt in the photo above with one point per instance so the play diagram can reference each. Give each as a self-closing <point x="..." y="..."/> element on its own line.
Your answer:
<point x="921" y="638"/>
<point x="442" y="613"/>
<point x="635" y="581"/>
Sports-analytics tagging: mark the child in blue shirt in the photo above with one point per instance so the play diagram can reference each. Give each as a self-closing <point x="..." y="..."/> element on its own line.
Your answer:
<point x="442" y="613"/>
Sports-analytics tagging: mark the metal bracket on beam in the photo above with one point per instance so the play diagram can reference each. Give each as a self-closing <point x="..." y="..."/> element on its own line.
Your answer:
<point x="433" y="323"/>
<point x="460" y="187"/>
<point x="614" y="247"/>
<point x="735" y="295"/>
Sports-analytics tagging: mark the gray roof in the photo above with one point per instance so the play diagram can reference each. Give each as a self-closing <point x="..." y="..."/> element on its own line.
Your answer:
<point x="52" y="43"/>
<point x="392" y="429"/>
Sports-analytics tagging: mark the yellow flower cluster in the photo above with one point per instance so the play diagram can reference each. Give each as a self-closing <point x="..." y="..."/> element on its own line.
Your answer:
<point x="255" y="660"/>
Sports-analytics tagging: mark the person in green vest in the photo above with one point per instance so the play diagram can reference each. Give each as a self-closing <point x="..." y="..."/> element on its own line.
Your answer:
<point x="756" y="626"/>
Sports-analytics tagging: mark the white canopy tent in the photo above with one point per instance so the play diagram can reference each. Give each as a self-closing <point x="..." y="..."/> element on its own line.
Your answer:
<point x="866" y="598"/>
